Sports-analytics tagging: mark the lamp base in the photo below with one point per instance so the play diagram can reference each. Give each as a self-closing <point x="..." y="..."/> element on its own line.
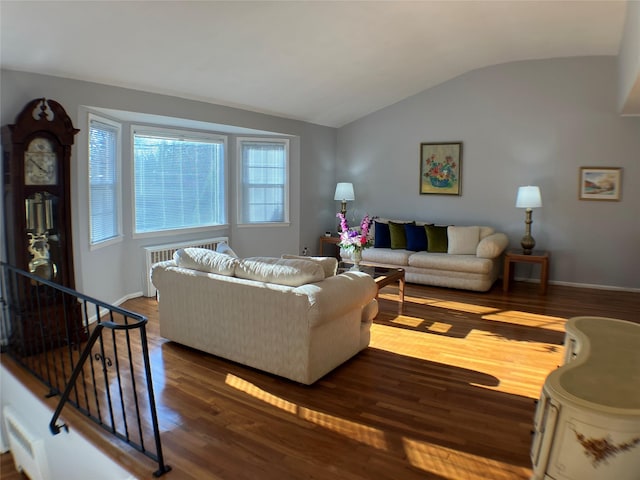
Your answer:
<point x="527" y="243"/>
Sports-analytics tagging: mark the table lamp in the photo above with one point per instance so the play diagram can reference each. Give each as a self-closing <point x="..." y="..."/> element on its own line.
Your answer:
<point x="528" y="198"/>
<point x="344" y="193"/>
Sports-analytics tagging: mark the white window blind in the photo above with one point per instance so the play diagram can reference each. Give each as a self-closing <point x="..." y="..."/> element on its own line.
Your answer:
<point x="104" y="188"/>
<point x="264" y="178"/>
<point x="179" y="181"/>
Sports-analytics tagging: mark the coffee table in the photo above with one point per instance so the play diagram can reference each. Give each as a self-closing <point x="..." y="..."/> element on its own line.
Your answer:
<point x="383" y="276"/>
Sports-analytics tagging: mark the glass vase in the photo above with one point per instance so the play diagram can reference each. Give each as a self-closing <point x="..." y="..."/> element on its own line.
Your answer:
<point x="357" y="258"/>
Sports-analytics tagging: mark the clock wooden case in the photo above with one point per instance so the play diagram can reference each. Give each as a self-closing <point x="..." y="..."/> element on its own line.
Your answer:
<point x="37" y="202"/>
<point x="37" y="161"/>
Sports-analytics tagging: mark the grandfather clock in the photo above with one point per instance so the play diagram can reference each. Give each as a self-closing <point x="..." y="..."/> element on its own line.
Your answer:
<point x="37" y="163"/>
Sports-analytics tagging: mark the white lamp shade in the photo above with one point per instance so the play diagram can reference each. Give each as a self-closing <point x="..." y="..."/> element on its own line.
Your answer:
<point x="344" y="192"/>
<point x="528" y="197"/>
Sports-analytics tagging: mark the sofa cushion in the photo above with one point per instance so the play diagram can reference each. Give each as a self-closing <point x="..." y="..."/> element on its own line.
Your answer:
<point x="416" y="237"/>
<point x="382" y="238"/>
<point x="205" y="260"/>
<point x="329" y="264"/>
<point x="226" y="249"/>
<point x="462" y="240"/>
<point x="451" y="263"/>
<point x="486" y="231"/>
<point x="492" y="246"/>
<point x="398" y="237"/>
<point x="281" y="271"/>
<point x="436" y="238"/>
<point x="386" y="256"/>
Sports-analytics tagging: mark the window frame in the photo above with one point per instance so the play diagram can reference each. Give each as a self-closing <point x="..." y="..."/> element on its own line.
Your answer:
<point x="179" y="133"/>
<point x="118" y="238"/>
<point x="240" y="180"/>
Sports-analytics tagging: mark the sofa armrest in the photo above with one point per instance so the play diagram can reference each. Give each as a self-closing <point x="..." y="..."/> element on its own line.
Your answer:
<point x="337" y="295"/>
<point x="492" y="245"/>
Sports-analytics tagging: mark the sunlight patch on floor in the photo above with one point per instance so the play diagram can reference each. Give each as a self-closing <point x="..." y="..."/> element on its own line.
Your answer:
<point x="408" y="321"/>
<point x="517" y="317"/>
<point x="463" y="307"/>
<point x="392" y="297"/>
<point x="440" y="327"/>
<point x="353" y="430"/>
<point x="401" y="341"/>
<point x="356" y="431"/>
<point x="415" y="322"/>
<point x="391" y="294"/>
<point x="423" y="455"/>
<point x="514" y="372"/>
<point x="262" y="395"/>
<point x="531" y="389"/>
<point x="436" y="302"/>
<point x="436" y="459"/>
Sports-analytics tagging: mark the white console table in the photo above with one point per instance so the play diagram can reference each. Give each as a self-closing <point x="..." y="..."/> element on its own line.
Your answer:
<point x="587" y="422"/>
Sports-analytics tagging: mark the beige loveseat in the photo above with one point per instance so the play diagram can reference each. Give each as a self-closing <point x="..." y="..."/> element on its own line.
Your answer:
<point x="291" y="317"/>
<point x="465" y="257"/>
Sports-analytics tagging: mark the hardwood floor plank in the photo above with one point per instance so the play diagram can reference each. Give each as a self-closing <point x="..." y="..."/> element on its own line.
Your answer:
<point x="8" y="469"/>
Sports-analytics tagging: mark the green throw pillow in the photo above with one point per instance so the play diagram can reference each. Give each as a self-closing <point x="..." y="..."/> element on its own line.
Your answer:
<point x="398" y="235"/>
<point x="437" y="240"/>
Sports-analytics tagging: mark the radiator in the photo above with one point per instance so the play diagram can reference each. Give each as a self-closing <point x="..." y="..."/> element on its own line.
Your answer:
<point x="160" y="253"/>
<point x="27" y="450"/>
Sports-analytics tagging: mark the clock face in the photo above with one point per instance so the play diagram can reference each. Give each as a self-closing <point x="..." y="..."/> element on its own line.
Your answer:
<point x="40" y="163"/>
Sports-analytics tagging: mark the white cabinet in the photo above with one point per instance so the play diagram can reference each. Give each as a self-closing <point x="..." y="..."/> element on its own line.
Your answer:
<point x="587" y="422"/>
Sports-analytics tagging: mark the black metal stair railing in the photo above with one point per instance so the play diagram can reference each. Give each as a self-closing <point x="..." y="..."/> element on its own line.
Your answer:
<point x="94" y="355"/>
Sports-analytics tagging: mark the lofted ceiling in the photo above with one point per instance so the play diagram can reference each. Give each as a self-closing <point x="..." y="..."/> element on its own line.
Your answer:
<point x="323" y="62"/>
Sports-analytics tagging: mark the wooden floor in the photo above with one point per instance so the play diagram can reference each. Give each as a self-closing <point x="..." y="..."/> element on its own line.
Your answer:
<point x="445" y="391"/>
<point x="8" y="470"/>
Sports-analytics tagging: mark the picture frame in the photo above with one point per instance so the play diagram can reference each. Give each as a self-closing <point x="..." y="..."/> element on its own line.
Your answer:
<point x="600" y="183"/>
<point x="440" y="168"/>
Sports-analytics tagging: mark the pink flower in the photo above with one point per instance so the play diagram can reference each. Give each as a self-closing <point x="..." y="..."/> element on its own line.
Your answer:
<point x="353" y="239"/>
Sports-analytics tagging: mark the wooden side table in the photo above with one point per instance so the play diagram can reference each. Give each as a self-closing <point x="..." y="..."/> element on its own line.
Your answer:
<point x="330" y="241"/>
<point x="516" y="256"/>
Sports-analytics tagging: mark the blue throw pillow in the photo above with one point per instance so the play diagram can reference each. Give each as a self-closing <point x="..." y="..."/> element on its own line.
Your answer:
<point x="382" y="236"/>
<point x="416" y="237"/>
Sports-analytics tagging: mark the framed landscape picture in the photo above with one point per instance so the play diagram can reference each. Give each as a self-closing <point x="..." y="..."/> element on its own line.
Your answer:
<point x="440" y="168"/>
<point x="600" y="183"/>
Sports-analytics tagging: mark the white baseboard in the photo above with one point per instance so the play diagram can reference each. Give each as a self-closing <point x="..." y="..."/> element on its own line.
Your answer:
<point x="127" y="297"/>
<point x="595" y="286"/>
<point x="581" y="285"/>
<point x="117" y="303"/>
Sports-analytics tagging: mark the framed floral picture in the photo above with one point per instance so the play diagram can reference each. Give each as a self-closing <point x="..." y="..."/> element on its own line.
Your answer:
<point x="440" y="168"/>
<point x="600" y="183"/>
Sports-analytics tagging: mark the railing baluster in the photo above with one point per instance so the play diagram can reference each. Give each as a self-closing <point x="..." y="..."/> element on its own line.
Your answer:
<point x="57" y="333"/>
<point x="4" y="316"/>
<point x="70" y="335"/>
<point x="44" y="323"/>
<point x="152" y="404"/>
<point x="84" y="380"/>
<point x="93" y="374"/>
<point x="107" y="390"/>
<point x="117" y="362"/>
<point x="134" y="385"/>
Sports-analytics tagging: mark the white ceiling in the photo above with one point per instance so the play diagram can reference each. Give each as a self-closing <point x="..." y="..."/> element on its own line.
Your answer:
<point x="324" y="62"/>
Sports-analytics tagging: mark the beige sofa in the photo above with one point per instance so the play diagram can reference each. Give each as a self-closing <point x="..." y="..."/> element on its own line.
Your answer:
<point x="470" y="258"/>
<point x="291" y="317"/>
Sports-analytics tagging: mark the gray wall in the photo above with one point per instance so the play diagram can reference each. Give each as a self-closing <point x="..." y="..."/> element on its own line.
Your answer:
<point x="533" y="122"/>
<point x="116" y="272"/>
